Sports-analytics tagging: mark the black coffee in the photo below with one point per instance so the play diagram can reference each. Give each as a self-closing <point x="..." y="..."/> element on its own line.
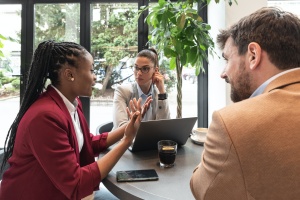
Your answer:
<point x="167" y="157"/>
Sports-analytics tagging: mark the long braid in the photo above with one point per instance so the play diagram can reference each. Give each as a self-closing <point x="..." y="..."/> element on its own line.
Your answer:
<point x="46" y="62"/>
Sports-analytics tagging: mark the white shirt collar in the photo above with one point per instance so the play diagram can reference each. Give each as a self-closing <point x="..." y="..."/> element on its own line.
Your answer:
<point x="70" y="106"/>
<point x="140" y="92"/>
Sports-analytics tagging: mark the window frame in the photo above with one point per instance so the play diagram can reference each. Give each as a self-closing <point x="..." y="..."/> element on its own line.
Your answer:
<point x="27" y="37"/>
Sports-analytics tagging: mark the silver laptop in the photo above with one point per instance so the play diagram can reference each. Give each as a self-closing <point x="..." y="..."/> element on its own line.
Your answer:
<point x="150" y="132"/>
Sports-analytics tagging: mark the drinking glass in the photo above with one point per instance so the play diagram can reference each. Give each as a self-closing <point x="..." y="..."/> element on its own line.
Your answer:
<point x="167" y="150"/>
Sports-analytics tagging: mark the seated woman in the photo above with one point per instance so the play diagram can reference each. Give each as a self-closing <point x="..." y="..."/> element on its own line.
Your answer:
<point x="149" y="82"/>
<point x="49" y="147"/>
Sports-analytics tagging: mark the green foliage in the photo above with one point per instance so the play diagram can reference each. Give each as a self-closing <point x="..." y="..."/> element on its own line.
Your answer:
<point x="59" y="22"/>
<point x="1" y="45"/>
<point x="5" y="65"/>
<point x="112" y="37"/>
<point x="6" y="80"/>
<point x="180" y="33"/>
<point x="16" y="83"/>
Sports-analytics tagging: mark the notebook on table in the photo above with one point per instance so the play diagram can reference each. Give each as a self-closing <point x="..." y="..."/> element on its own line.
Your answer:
<point x="150" y="132"/>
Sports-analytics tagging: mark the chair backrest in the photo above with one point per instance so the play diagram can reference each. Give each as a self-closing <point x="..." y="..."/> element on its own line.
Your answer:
<point x="105" y="127"/>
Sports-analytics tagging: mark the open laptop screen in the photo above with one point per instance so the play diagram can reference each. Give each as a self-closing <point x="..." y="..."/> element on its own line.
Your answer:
<point x="150" y="132"/>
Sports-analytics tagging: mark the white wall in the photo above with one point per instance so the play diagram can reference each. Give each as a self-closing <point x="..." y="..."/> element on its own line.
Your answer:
<point x="220" y="16"/>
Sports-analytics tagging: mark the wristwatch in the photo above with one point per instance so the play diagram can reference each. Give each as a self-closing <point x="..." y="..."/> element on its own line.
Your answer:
<point x="162" y="96"/>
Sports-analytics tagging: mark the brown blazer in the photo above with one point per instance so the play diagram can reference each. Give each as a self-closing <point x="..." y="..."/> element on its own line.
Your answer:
<point x="252" y="149"/>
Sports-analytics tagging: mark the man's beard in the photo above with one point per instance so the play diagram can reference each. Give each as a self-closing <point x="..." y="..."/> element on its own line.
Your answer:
<point x="241" y="89"/>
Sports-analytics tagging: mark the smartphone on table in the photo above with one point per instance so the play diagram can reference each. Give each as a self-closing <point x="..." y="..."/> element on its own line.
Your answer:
<point x="137" y="175"/>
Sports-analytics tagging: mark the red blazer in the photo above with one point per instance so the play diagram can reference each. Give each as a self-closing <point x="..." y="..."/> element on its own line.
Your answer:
<point x="46" y="163"/>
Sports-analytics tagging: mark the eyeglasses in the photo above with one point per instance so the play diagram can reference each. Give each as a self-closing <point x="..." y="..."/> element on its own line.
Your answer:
<point x="144" y="70"/>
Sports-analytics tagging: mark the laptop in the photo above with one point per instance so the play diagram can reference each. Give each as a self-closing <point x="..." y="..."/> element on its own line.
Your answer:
<point x="150" y="132"/>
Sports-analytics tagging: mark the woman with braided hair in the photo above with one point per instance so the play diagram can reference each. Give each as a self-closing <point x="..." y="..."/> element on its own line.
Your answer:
<point x="49" y="147"/>
<point x="148" y="82"/>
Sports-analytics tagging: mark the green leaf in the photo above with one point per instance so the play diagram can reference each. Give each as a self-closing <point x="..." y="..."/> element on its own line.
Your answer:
<point x="173" y="63"/>
<point x="203" y="47"/>
<point x="168" y="52"/>
<point x="187" y="42"/>
<point x="199" y="66"/>
<point x="2" y="37"/>
<point x="183" y="59"/>
<point x="192" y="55"/>
<point x="181" y="22"/>
<point x="191" y="11"/>
<point x="1" y="54"/>
<point x="161" y="3"/>
<point x="207" y="27"/>
<point x="178" y="46"/>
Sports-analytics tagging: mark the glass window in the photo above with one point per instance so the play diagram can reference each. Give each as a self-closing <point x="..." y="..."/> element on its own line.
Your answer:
<point x="10" y="63"/>
<point x="291" y="6"/>
<point x="114" y="44"/>
<point x="59" y="22"/>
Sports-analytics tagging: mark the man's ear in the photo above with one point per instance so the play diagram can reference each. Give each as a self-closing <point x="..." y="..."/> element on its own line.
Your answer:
<point x="254" y="55"/>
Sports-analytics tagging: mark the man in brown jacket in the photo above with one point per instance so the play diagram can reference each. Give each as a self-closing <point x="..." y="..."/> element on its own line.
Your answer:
<point x="252" y="149"/>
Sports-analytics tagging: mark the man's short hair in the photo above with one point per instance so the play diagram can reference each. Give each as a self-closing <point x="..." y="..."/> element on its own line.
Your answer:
<point x="276" y="31"/>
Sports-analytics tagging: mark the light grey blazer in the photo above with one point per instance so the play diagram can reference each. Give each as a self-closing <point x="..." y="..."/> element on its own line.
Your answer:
<point x="124" y="93"/>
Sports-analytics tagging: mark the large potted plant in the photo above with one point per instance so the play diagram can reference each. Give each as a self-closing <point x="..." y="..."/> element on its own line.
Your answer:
<point x="181" y="34"/>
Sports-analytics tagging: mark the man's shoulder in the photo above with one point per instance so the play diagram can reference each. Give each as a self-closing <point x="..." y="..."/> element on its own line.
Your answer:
<point x="243" y="108"/>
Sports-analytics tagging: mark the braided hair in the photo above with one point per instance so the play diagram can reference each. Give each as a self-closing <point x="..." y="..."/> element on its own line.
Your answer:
<point x="48" y="59"/>
<point x="151" y="54"/>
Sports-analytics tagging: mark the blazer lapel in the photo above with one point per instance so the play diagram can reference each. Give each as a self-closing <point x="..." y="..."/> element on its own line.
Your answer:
<point x="72" y="134"/>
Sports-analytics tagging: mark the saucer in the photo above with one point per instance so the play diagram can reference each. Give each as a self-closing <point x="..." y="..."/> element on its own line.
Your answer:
<point x="198" y="137"/>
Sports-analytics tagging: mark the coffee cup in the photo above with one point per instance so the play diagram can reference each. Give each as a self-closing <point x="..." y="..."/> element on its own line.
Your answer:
<point x="199" y="135"/>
